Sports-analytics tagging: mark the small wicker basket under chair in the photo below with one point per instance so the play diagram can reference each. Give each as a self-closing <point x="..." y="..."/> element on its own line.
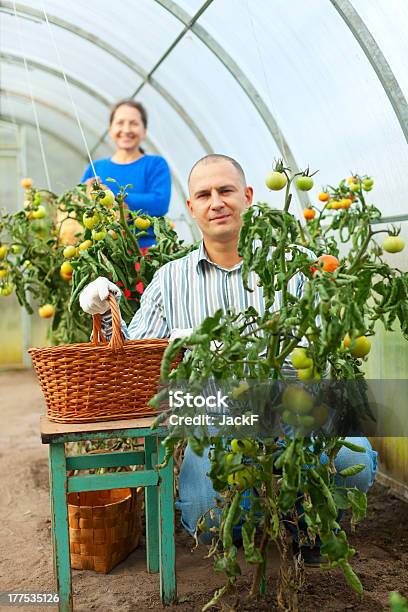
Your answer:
<point x="104" y="527"/>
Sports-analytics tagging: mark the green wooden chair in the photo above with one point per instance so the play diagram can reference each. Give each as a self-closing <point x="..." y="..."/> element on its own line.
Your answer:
<point x="159" y="502"/>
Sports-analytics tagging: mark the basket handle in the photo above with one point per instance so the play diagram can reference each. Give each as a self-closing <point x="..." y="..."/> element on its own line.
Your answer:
<point x="116" y="342"/>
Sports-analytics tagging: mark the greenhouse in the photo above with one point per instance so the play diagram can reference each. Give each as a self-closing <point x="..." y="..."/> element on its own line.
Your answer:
<point x="204" y="298"/>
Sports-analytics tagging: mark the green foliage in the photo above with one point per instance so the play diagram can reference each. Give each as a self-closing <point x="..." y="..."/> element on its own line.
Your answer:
<point x="290" y="482"/>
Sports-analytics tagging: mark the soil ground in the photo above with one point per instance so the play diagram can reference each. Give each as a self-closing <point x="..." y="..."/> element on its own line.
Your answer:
<point x="25" y="549"/>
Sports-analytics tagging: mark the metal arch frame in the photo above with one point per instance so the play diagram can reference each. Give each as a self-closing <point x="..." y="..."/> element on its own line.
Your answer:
<point x="12" y="58"/>
<point x="247" y="86"/>
<point x="220" y="53"/>
<point x="27" y="12"/>
<point x="377" y="60"/>
<point x="151" y="144"/>
<point x="66" y="143"/>
<point x="13" y="93"/>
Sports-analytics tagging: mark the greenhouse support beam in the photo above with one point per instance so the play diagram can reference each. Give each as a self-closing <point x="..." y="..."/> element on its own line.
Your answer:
<point x="46" y="104"/>
<point x="244" y="83"/>
<point x="29" y="12"/>
<point x="377" y="60"/>
<point x="12" y="58"/>
<point x="148" y="76"/>
<point x="47" y="131"/>
<point x="390" y="219"/>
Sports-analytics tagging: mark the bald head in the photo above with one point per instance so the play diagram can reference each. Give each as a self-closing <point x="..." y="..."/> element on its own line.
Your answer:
<point x="215" y="158"/>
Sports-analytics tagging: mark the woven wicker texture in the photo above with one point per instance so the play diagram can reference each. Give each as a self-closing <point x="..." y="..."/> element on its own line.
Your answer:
<point x="97" y="381"/>
<point x="104" y="527"/>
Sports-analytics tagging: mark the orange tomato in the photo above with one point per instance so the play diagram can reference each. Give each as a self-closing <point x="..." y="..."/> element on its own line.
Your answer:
<point x="328" y="263"/>
<point x="26" y="183"/>
<point x="47" y="311"/>
<point x="323" y="196"/>
<point x="309" y="214"/>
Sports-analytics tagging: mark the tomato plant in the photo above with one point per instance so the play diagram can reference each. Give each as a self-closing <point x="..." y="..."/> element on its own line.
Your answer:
<point x="341" y="295"/>
<point x="41" y="260"/>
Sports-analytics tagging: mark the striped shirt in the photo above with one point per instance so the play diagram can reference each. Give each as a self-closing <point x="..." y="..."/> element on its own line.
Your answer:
<point x="185" y="291"/>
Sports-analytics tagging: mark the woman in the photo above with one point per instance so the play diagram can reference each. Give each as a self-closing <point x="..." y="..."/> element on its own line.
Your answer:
<point x="149" y="175"/>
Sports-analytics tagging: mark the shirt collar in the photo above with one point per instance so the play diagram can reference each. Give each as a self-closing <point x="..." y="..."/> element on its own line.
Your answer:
<point x="203" y="257"/>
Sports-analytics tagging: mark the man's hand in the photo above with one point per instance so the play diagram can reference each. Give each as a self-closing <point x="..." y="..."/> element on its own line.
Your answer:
<point x="93" y="298"/>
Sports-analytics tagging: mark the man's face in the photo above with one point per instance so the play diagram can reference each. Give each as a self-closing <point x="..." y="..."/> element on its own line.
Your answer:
<point x="218" y="196"/>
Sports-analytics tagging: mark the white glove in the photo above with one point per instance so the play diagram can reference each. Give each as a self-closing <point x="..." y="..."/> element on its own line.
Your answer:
<point x="93" y="298"/>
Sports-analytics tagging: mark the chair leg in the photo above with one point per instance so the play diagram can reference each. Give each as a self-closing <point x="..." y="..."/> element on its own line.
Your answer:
<point x="54" y="555"/>
<point x="168" y="587"/>
<point x="152" y="509"/>
<point x="57" y="464"/>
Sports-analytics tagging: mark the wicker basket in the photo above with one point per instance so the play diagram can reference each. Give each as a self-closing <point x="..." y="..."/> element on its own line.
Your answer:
<point x="97" y="381"/>
<point x="104" y="527"/>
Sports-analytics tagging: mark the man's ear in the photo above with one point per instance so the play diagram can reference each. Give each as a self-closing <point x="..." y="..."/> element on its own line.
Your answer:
<point x="190" y="208"/>
<point x="249" y="194"/>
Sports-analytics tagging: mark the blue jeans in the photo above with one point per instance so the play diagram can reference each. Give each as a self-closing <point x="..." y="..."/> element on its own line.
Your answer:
<point x="196" y="494"/>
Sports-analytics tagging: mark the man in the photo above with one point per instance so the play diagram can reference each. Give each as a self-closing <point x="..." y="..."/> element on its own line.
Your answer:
<point x="185" y="291"/>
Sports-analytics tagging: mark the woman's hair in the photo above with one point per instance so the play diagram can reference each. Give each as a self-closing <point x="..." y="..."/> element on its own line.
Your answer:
<point x="137" y="105"/>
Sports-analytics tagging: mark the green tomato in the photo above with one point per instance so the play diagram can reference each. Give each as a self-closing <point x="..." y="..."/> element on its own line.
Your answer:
<point x="108" y="198"/>
<point x="39" y="213"/>
<point x="229" y="458"/>
<point x="290" y="418"/>
<point x="142" y="224"/>
<point x="320" y="415"/>
<point x="300" y="360"/>
<point x="308" y="374"/>
<point x="359" y="348"/>
<point x="90" y="219"/>
<point x="297" y="399"/>
<point x="393" y="244"/>
<point x="276" y="180"/>
<point x="355" y="187"/>
<point x="6" y="289"/>
<point x="99" y="234"/>
<point x="16" y="249"/>
<point x="368" y="182"/>
<point x="69" y="252"/>
<point x="304" y="183"/>
<point x="242" y="479"/>
<point x="239" y="389"/>
<point x="367" y="187"/>
<point x="246" y="447"/>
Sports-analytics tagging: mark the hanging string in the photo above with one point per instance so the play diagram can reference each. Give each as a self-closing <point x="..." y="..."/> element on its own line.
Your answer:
<point x="268" y="88"/>
<point x="30" y="88"/>
<point x="68" y="89"/>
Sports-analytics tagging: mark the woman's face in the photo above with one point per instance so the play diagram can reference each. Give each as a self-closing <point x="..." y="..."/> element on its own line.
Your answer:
<point x="127" y="129"/>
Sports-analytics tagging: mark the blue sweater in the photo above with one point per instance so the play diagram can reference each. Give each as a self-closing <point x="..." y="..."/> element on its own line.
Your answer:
<point x="150" y="177"/>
